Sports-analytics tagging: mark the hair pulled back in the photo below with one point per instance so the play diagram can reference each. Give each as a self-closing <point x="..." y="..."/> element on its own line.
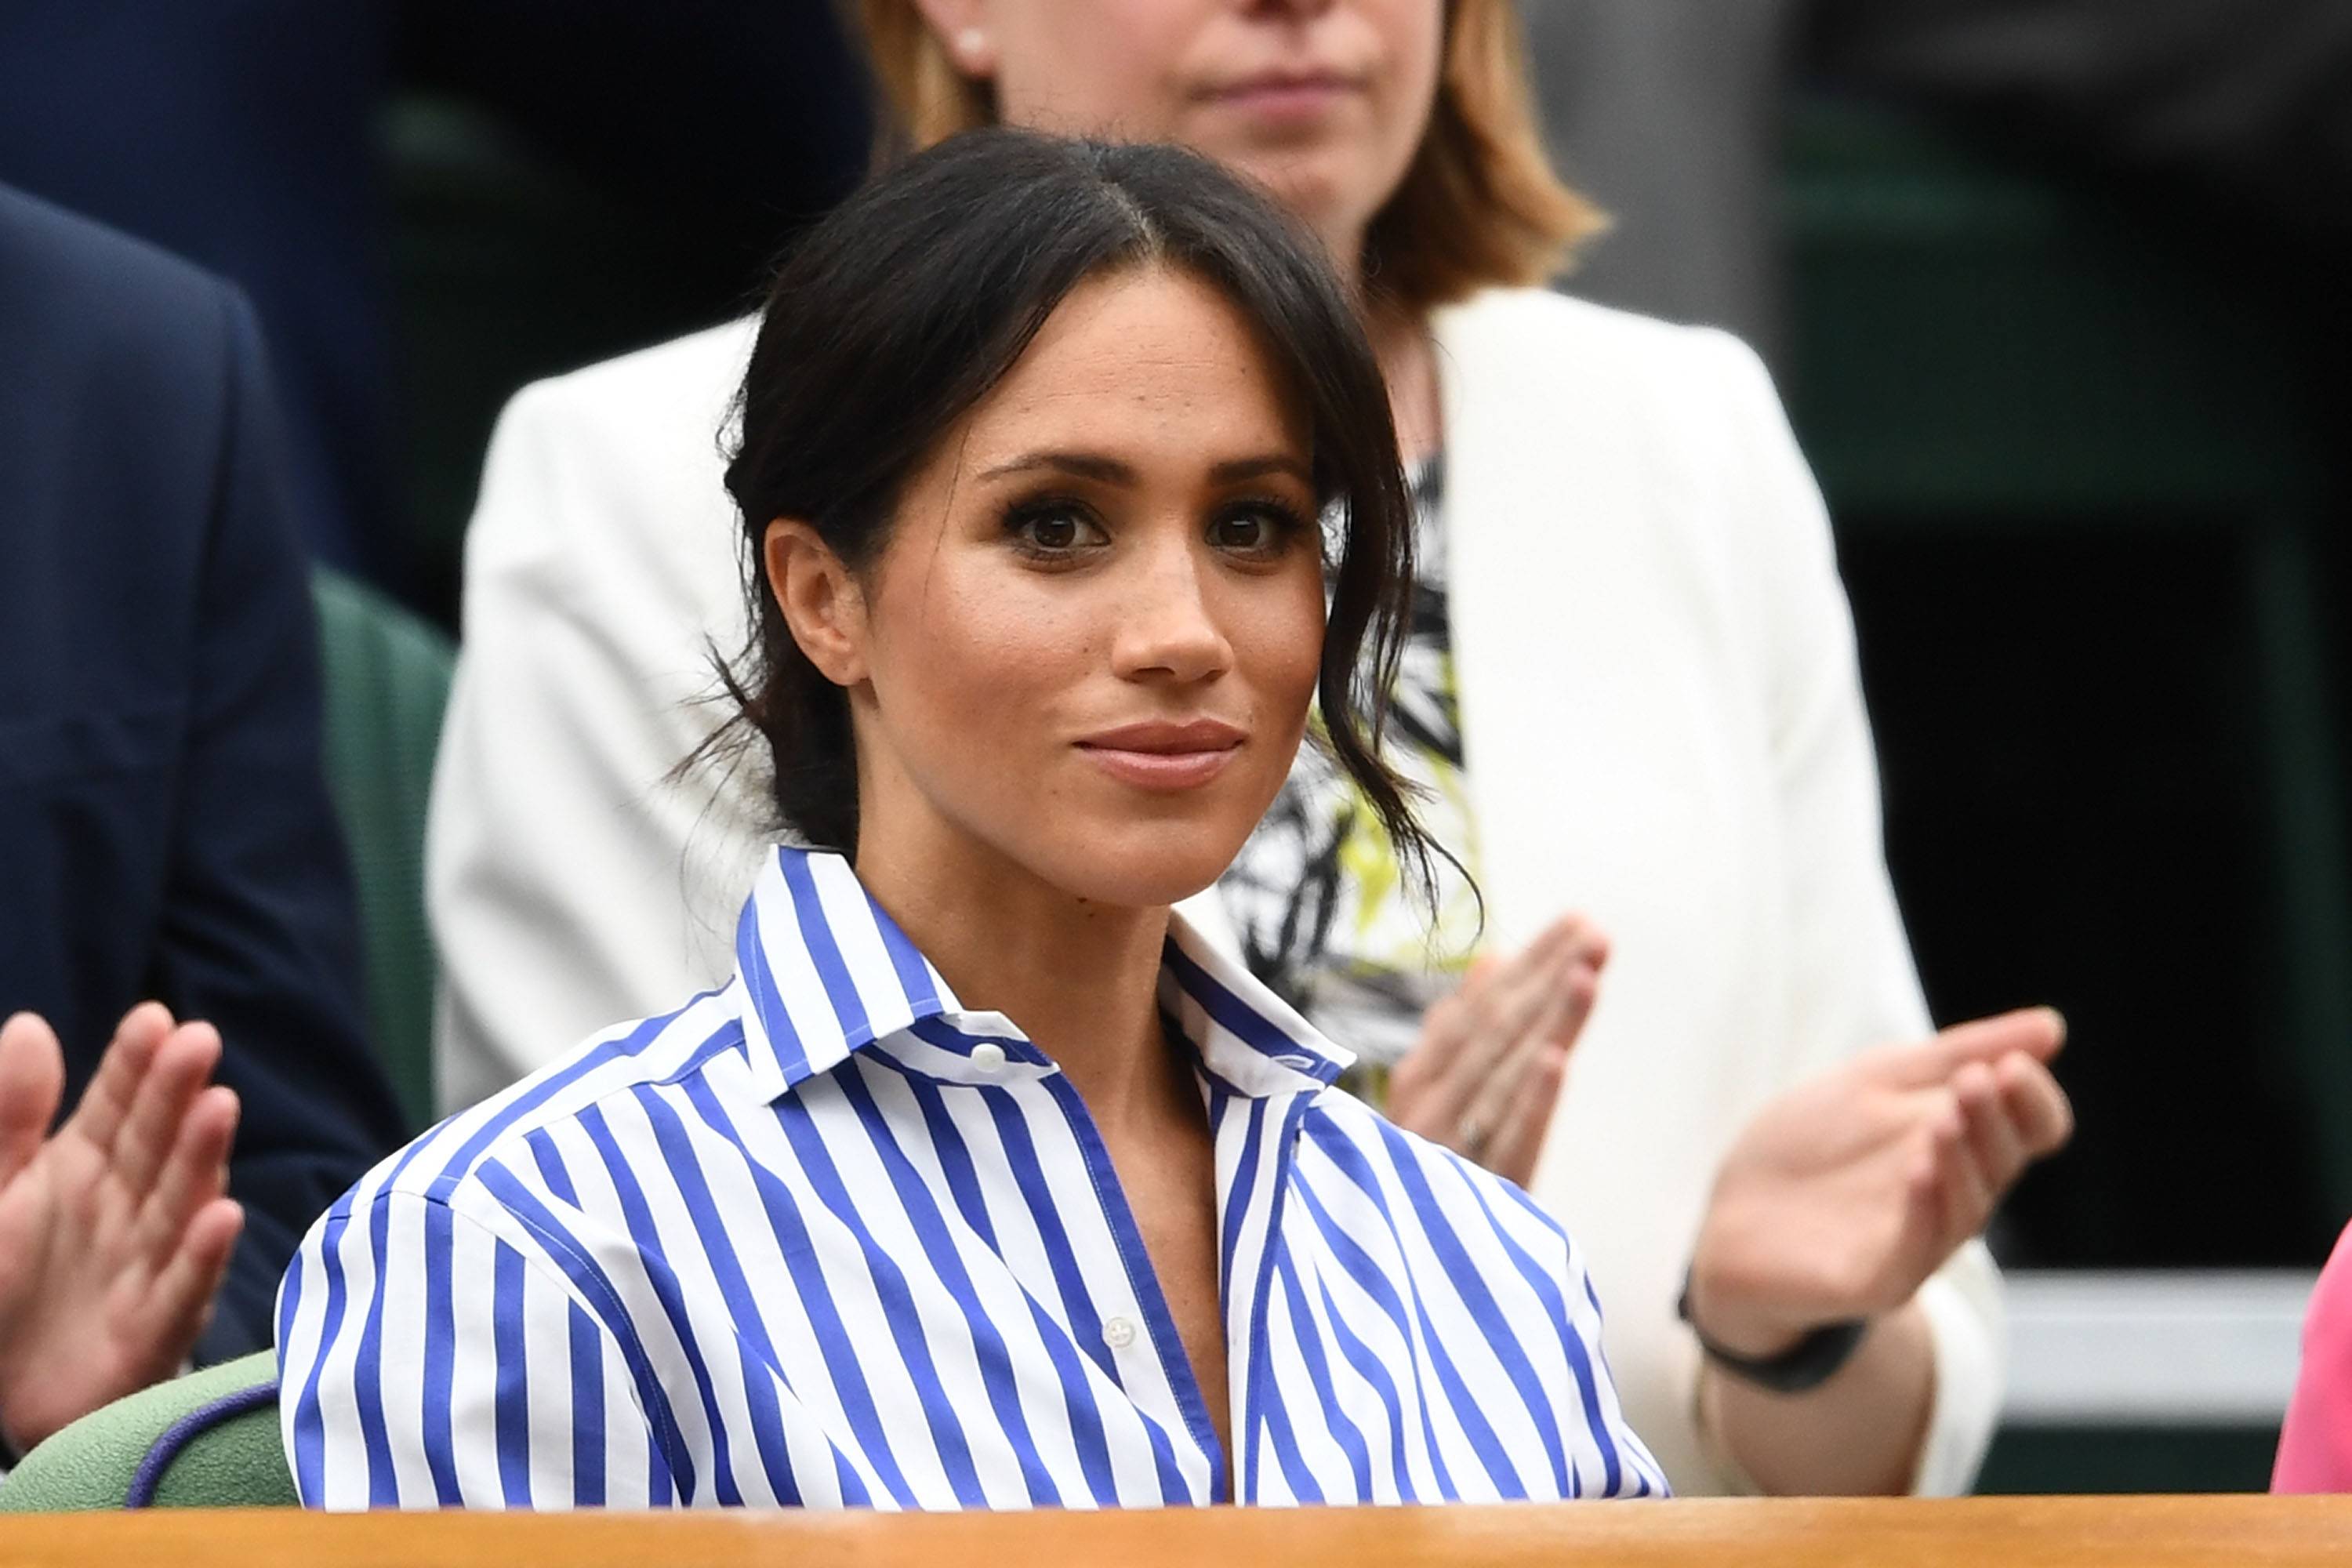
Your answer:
<point x="899" y="313"/>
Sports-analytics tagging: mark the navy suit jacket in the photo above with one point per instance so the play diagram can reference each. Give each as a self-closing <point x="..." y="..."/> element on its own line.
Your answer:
<point x="164" y="825"/>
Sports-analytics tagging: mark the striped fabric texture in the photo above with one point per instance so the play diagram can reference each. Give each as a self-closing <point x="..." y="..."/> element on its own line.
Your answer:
<point x="827" y="1238"/>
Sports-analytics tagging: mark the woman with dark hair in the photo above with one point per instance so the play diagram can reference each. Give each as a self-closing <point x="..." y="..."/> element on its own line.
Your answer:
<point x="985" y="1183"/>
<point x="1628" y="697"/>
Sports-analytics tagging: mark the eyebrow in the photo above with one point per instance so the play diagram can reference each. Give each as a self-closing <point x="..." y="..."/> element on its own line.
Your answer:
<point x="1112" y="471"/>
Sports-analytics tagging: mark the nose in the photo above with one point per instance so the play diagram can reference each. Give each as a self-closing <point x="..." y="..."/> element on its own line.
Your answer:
<point x="1168" y="629"/>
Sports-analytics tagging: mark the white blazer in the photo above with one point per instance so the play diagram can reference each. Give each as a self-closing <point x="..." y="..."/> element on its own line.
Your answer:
<point x="1661" y="715"/>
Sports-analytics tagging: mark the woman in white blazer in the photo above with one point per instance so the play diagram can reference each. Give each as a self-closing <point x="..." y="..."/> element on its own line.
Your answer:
<point x="1636" y="703"/>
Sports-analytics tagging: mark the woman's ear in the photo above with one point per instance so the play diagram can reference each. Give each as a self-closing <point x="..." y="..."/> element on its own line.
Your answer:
<point x="962" y="26"/>
<point x="823" y="606"/>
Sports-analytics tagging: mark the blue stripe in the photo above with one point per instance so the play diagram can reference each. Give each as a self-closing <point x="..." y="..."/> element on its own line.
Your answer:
<point x="948" y="1145"/>
<point x="310" y="1421"/>
<point x="899" y="1315"/>
<point x="1350" y="1437"/>
<point x="1358" y="1266"/>
<point x="669" y="1443"/>
<point x="1544" y="1283"/>
<point x="1500" y="1472"/>
<point x="1238" y="1202"/>
<point x="839" y="1353"/>
<point x="1470" y="1285"/>
<point x="1241" y="1020"/>
<point x="939" y="1252"/>
<point x="685" y="1171"/>
<point x="367" y="1365"/>
<point x="508" y="1115"/>
<point x="289" y="1301"/>
<point x="550" y="1161"/>
<point x="1144" y="1281"/>
<point x="1261" y="1388"/>
<point x="440" y="1353"/>
<point x="663" y="1281"/>
<point x="1028" y="1174"/>
<point x="1366" y="1366"/>
<point x="1079" y="1397"/>
<point x="767" y="1001"/>
<point x="824" y="953"/>
<point x="587" y="1409"/>
<point x="513" y="1362"/>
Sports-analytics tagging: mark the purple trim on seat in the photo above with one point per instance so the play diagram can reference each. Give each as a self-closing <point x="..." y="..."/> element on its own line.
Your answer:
<point x="149" y="1478"/>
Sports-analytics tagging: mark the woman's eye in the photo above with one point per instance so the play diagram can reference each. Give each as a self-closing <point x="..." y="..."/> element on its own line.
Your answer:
<point x="1252" y="530"/>
<point x="1055" y="531"/>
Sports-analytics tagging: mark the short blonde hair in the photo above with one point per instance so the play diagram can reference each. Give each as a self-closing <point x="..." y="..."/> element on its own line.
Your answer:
<point x="1479" y="205"/>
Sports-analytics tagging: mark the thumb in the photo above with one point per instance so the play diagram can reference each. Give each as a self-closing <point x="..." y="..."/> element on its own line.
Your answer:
<point x="32" y="1081"/>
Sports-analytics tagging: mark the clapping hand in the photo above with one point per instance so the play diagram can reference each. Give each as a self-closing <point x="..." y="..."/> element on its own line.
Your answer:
<point x="115" y="1230"/>
<point x="1845" y="1194"/>
<point x="1486" y="1074"/>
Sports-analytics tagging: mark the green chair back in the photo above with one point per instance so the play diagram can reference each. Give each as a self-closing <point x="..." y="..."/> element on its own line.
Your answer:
<point x="387" y="682"/>
<point x="206" y="1440"/>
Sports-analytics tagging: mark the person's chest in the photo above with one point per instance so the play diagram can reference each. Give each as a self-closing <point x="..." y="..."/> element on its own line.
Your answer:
<point x="891" y="1290"/>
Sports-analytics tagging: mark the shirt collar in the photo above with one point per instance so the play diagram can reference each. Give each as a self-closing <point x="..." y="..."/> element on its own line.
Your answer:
<point x="822" y="971"/>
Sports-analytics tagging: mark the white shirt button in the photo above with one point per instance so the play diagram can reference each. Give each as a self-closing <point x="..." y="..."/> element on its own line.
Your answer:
<point x="1118" y="1333"/>
<point x="988" y="1057"/>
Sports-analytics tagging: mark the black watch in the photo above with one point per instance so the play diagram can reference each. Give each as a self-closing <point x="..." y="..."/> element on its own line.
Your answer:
<point x="1805" y="1365"/>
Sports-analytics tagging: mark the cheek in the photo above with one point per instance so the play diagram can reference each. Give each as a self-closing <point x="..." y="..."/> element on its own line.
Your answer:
<point x="1413" y="35"/>
<point x="1088" y="66"/>
<point x="1278" y="641"/>
<point x="976" y="674"/>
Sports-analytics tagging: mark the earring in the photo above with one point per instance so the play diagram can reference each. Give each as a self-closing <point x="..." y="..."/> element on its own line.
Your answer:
<point x="971" y="44"/>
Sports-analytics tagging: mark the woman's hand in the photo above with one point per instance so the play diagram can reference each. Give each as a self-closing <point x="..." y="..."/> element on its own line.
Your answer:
<point x="1845" y="1194"/>
<point x="114" y="1231"/>
<point x="1486" y="1074"/>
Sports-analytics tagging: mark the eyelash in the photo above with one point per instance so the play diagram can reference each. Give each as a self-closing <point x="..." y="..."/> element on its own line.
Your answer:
<point x="1284" y="522"/>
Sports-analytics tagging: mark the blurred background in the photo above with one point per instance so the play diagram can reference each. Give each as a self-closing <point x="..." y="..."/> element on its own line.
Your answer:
<point x="2057" y="293"/>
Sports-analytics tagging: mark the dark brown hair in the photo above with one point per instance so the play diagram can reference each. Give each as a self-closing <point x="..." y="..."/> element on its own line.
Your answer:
<point x="898" y="313"/>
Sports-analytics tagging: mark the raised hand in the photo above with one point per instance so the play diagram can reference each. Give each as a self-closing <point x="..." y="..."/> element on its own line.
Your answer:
<point x="1845" y="1194"/>
<point x="115" y="1231"/>
<point x="1486" y="1074"/>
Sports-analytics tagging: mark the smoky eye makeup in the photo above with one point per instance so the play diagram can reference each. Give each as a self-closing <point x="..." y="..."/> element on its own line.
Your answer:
<point x="1053" y="529"/>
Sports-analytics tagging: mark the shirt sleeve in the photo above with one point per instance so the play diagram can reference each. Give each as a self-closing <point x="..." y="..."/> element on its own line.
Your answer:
<point x="431" y="1358"/>
<point x="1853" y="985"/>
<point x="570" y="879"/>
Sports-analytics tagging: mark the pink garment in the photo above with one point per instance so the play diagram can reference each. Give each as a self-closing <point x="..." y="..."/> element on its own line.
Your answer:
<point x="2314" y="1453"/>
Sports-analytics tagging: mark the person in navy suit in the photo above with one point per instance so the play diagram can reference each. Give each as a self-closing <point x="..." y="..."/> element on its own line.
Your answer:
<point x="167" y="846"/>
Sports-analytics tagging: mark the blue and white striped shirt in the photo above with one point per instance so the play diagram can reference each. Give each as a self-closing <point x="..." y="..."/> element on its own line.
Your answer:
<point x="826" y="1238"/>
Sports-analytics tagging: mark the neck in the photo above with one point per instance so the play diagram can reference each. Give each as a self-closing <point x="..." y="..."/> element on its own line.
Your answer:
<point x="1400" y="339"/>
<point x="1080" y="979"/>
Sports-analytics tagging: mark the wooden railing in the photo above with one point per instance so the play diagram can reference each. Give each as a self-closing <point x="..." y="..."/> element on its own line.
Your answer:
<point x="2000" y="1532"/>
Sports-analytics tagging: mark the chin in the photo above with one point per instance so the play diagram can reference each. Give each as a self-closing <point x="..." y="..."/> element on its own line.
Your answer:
<point x="1143" y="865"/>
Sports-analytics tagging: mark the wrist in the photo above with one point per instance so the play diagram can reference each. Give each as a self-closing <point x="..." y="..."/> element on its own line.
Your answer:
<point x="1797" y="1362"/>
<point x="1727" y="1318"/>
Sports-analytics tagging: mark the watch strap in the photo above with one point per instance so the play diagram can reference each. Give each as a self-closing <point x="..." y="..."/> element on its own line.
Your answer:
<point x="1804" y="1366"/>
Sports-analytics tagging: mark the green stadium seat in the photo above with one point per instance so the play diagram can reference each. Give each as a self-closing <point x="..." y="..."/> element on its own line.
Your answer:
<point x="206" y="1440"/>
<point x="387" y="681"/>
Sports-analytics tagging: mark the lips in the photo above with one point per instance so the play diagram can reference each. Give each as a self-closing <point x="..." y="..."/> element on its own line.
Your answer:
<point x="1164" y="756"/>
<point x="1285" y="95"/>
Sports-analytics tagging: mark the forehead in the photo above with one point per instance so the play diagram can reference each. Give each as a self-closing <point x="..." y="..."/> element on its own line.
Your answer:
<point x="1150" y="360"/>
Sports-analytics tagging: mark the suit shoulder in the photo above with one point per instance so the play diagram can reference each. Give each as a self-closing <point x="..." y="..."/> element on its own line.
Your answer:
<point x="1539" y="333"/>
<point x="687" y="380"/>
<point x="77" y="285"/>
